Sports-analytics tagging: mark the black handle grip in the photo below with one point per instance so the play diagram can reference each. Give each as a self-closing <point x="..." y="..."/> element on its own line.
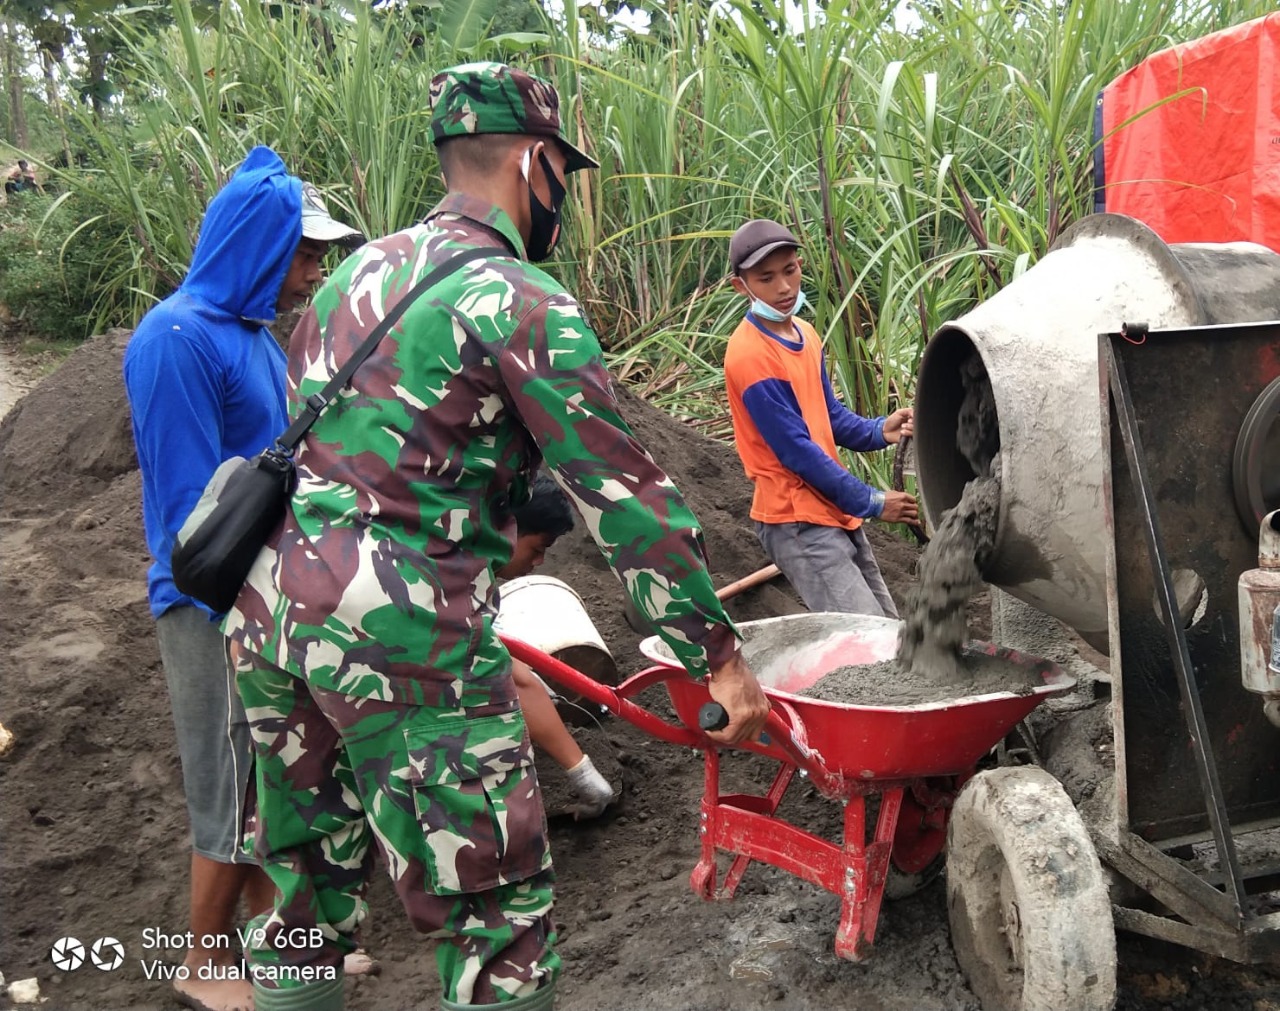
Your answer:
<point x="712" y="716"/>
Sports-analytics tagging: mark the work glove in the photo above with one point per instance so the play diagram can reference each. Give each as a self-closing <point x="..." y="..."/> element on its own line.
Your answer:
<point x="592" y="790"/>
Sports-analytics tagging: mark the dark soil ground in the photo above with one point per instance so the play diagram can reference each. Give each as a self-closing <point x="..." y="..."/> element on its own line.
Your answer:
<point x="93" y="826"/>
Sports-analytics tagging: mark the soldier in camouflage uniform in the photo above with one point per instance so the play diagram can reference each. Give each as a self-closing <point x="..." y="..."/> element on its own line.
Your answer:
<point x="380" y="696"/>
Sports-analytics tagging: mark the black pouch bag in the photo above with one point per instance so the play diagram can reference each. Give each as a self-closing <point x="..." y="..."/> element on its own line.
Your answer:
<point x="240" y="506"/>
<point x="245" y="500"/>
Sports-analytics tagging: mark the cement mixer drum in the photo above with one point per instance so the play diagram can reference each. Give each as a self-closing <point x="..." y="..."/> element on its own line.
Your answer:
<point x="1038" y="340"/>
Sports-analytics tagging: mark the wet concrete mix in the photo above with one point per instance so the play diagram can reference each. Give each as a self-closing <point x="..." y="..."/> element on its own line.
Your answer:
<point x="930" y="664"/>
<point x="934" y="629"/>
<point x="887" y="684"/>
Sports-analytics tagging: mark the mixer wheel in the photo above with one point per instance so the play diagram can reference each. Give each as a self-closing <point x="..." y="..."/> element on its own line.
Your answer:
<point x="1028" y="902"/>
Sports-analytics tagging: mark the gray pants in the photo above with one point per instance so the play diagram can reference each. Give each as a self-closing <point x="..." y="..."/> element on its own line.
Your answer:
<point x="214" y="742"/>
<point x="831" y="568"/>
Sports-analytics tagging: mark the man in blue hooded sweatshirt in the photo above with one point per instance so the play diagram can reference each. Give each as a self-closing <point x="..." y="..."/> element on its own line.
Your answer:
<point x="206" y="382"/>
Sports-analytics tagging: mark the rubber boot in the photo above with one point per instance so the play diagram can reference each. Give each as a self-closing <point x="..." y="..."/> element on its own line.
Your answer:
<point x="323" y="995"/>
<point x="540" y="1000"/>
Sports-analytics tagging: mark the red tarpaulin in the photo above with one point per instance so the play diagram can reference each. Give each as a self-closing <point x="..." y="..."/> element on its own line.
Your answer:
<point x="1205" y="166"/>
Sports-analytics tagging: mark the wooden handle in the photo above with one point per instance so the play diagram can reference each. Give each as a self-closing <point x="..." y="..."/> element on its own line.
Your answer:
<point x="747" y="582"/>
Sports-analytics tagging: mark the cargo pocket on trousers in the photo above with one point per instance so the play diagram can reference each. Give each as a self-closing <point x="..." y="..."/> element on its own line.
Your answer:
<point x="477" y="801"/>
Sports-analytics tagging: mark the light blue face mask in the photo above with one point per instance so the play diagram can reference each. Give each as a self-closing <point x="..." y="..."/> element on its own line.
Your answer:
<point x="763" y="310"/>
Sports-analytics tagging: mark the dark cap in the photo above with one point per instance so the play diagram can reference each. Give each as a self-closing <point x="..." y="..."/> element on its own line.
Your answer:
<point x="494" y="98"/>
<point x="757" y="239"/>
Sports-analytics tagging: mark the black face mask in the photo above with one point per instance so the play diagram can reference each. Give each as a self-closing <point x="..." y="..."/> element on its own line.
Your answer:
<point x="544" y="221"/>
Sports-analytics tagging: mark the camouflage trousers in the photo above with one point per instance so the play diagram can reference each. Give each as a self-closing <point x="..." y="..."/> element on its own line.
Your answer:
<point x="450" y="799"/>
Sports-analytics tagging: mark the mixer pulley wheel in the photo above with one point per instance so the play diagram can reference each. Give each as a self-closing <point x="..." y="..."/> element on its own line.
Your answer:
<point x="1255" y="464"/>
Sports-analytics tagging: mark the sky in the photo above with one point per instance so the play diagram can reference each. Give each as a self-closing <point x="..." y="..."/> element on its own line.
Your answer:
<point x="638" y="21"/>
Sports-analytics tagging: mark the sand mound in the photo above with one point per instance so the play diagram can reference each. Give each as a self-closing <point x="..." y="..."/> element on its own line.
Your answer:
<point x="69" y="438"/>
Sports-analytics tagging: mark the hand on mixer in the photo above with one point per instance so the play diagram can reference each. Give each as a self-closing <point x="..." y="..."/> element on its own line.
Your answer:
<point x="899" y="425"/>
<point x="900" y="507"/>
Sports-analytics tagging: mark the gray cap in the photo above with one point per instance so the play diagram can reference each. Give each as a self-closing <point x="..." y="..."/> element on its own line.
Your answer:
<point x="317" y="223"/>
<point x="757" y="239"/>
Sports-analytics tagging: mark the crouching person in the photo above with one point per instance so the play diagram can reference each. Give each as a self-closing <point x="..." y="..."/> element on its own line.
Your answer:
<point x="540" y="522"/>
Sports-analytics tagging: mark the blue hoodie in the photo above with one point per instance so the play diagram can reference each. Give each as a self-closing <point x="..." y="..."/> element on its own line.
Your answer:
<point x="205" y="378"/>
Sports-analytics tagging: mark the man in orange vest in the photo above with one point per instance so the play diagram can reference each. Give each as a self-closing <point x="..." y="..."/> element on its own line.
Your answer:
<point x="808" y="509"/>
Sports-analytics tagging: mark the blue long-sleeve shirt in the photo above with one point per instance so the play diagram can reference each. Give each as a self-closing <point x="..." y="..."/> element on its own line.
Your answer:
<point x="204" y="376"/>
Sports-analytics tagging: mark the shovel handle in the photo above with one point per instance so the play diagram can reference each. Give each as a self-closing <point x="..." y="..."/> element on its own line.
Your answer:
<point x="640" y="623"/>
<point x="747" y="582"/>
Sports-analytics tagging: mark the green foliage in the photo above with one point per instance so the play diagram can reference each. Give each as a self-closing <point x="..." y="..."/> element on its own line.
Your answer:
<point x="467" y="22"/>
<point x="923" y="170"/>
<point x="923" y="167"/>
<point x="49" y="266"/>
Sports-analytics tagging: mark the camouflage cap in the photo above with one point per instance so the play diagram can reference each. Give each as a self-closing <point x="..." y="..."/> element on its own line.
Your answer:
<point x="495" y="98"/>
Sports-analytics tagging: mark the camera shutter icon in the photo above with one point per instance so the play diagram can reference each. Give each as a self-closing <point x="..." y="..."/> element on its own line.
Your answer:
<point x="67" y="954"/>
<point x="107" y="954"/>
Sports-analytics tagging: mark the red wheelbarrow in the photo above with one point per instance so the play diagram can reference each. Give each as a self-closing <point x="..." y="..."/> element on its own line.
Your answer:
<point x="914" y="758"/>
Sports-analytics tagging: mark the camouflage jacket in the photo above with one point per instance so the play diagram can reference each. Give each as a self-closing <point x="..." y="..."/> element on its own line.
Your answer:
<point x="378" y="582"/>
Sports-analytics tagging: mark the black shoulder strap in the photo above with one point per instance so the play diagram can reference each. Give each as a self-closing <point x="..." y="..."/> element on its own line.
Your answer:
<point x="317" y="402"/>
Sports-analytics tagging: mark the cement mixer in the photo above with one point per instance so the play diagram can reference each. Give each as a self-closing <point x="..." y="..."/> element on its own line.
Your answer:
<point x="1038" y="339"/>
<point x="1138" y="391"/>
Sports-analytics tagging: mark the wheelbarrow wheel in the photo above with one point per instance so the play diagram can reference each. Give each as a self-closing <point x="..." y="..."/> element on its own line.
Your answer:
<point x="1028" y="902"/>
<point x="919" y="844"/>
<point x="900" y="884"/>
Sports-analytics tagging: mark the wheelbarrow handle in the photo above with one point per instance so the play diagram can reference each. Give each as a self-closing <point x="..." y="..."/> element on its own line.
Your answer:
<point x="612" y="699"/>
<point x="789" y="736"/>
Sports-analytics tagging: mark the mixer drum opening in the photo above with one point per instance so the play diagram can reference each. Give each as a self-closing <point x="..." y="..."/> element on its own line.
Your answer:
<point x="941" y="467"/>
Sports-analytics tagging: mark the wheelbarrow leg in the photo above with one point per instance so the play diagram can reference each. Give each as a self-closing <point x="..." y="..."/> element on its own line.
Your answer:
<point x="766" y="805"/>
<point x="865" y="870"/>
<point x="703" y="878"/>
<point x="712" y="824"/>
